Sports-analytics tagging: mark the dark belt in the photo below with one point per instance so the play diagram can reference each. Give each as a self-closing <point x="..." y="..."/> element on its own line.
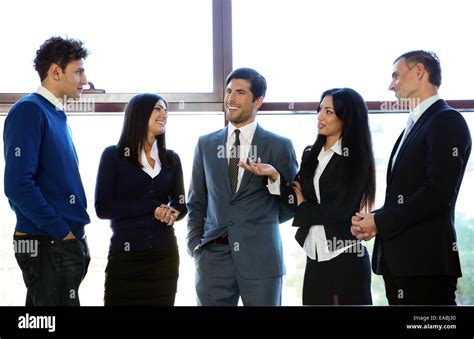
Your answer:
<point x="224" y="240"/>
<point x="21" y="235"/>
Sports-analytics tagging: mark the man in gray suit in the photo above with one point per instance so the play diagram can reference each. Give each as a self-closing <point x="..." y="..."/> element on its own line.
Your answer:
<point x="233" y="218"/>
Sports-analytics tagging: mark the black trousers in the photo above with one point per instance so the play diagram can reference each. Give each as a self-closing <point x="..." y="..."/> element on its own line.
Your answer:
<point x="343" y="280"/>
<point x="419" y="290"/>
<point x="141" y="278"/>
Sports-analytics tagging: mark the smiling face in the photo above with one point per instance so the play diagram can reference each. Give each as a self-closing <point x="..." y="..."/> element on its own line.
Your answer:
<point x="158" y="117"/>
<point x="240" y="107"/>
<point x="71" y="81"/>
<point x="329" y="123"/>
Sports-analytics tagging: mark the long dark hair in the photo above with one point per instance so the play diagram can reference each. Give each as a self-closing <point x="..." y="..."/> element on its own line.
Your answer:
<point x="135" y="127"/>
<point x="358" y="156"/>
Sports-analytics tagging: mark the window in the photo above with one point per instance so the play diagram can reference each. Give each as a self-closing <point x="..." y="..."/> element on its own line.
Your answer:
<point x="136" y="46"/>
<point x="304" y="47"/>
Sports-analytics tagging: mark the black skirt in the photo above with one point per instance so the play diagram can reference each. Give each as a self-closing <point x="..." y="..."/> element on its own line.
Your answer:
<point x="141" y="278"/>
<point x="347" y="276"/>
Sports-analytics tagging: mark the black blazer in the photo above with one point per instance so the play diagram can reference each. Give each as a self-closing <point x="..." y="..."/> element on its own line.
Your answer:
<point x="416" y="223"/>
<point x="338" y="203"/>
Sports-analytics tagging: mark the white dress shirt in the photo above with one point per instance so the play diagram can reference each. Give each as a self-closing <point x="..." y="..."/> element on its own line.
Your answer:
<point x="151" y="171"/>
<point x="415" y="115"/>
<point x="246" y="136"/>
<point x="316" y="241"/>
<point x="45" y="93"/>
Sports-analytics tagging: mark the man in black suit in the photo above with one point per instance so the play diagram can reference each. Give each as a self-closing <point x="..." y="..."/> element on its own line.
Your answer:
<point x="415" y="247"/>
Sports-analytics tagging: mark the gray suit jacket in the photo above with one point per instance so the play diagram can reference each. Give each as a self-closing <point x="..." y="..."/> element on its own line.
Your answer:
<point x="252" y="216"/>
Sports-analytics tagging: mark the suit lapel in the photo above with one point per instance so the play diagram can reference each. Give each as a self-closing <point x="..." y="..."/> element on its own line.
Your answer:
<point x="220" y="139"/>
<point x="325" y="182"/>
<point x="395" y="147"/>
<point x="421" y="121"/>
<point x="327" y="179"/>
<point x="328" y="170"/>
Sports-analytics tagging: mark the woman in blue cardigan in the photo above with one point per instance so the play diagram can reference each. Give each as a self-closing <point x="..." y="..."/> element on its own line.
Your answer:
<point x="140" y="189"/>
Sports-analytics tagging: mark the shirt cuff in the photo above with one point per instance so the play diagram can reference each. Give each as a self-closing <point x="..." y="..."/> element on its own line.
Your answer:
<point x="274" y="187"/>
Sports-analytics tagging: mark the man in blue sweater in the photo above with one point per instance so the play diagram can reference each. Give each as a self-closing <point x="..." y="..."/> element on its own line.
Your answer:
<point x="42" y="180"/>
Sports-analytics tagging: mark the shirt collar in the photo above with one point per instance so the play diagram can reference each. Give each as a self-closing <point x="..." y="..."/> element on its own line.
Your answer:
<point x="246" y="131"/>
<point x="423" y="106"/>
<point x="45" y="93"/>
<point x="153" y="154"/>
<point x="337" y="147"/>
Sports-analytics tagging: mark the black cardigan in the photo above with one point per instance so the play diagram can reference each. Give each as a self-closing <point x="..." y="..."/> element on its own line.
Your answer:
<point x="128" y="196"/>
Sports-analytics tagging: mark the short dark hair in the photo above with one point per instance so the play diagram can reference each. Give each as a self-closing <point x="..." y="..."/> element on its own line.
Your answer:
<point x="258" y="84"/>
<point x="428" y="59"/>
<point x="135" y="127"/>
<point x="58" y="50"/>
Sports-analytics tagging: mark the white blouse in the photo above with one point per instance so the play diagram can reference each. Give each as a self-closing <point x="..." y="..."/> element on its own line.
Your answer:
<point x="151" y="171"/>
<point x="316" y="241"/>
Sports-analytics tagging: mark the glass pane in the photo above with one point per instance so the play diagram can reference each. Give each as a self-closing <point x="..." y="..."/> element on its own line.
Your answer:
<point x="303" y="47"/>
<point x="136" y="46"/>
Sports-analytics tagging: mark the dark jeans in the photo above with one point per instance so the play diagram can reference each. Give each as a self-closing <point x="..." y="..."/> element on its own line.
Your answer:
<point x="52" y="270"/>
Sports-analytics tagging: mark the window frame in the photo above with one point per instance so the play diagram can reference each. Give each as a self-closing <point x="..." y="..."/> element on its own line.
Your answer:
<point x="222" y="66"/>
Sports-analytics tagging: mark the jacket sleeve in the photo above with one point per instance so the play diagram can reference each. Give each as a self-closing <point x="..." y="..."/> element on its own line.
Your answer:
<point x="287" y="166"/>
<point x="305" y="213"/>
<point x="197" y="200"/>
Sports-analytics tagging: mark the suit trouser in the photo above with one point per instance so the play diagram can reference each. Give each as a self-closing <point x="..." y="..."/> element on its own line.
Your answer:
<point x="419" y="290"/>
<point x="219" y="284"/>
<point x="52" y="270"/>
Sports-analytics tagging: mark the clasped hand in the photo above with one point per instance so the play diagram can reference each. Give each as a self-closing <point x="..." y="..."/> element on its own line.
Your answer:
<point x="363" y="226"/>
<point x="166" y="214"/>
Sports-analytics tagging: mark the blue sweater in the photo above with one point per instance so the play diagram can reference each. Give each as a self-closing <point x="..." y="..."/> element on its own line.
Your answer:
<point x="128" y="196"/>
<point x="42" y="180"/>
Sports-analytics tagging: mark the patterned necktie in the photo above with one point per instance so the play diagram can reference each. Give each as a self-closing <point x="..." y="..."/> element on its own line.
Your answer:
<point x="234" y="158"/>
<point x="410" y="124"/>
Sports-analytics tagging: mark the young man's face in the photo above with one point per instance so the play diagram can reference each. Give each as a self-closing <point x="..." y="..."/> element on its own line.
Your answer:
<point x="239" y="105"/>
<point x="72" y="79"/>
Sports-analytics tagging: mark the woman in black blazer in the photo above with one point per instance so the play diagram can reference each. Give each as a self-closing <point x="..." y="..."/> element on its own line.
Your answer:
<point x="336" y="179"/>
